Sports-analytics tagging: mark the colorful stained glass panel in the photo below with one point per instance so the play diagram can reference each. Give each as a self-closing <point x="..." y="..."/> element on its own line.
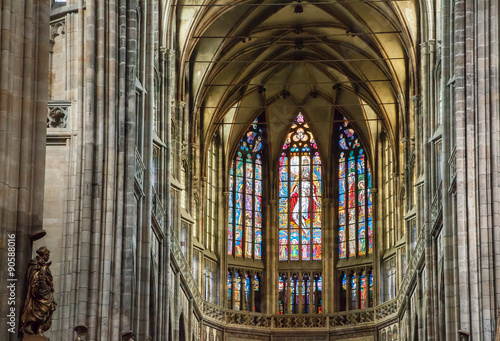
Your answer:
<point x="300" y="186"/>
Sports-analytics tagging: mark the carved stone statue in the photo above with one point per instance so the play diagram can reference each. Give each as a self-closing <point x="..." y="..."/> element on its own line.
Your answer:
<point x="39" y="305"/>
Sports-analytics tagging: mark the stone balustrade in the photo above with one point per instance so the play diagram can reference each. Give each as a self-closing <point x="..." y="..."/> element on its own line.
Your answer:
<point x="158" y="209"/>
<point x="185" y="271"/>
<point x="382" y="312"/>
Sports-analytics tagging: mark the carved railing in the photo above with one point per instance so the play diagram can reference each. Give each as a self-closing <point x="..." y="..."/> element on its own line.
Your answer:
<point x="386" y="309"/>
<point x="244" y="318"/>
<point x="353" y="317"/>
<point x="140" y="168"/>
<point x="452" y="163"/>
<point x="158" y="209"/>
<point x="214" y="312"/>
<point x="437" y="202"/>
<point x="220" y="315"/>
<point x="185" y="271"/>
<point x="299" y="321"/>
<point x="58" y="114"/>
<point x="411" y="271"/>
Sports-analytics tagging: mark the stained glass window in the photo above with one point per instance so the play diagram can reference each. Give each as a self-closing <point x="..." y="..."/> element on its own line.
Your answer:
<point x="245" y="196"/>
<point x="247" y="291"/>
<point x="237" y="292"/>
<point x="294" y="294"/>
<point x="282" y="294"/>
<point x="300" y="195"/>
<point x="306" y="293"/>
<point x="318" y="290"/>
<point x="353" y="292"/>
<point x="370" y="288"/>
<point x="229" y="292"/>
<point x="363" y="291"/>
<point x="256" y="289"/>
<point x="355" y="201"/>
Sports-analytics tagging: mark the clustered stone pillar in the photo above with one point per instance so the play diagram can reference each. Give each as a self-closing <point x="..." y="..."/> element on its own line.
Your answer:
<point x="233" y="286"/>
<point x="358" y="290"/>
<point x="289" y="295"/>
<point x="251" y="303"/>
<point x="242" y="291"/>
<point x="348" y="296"/>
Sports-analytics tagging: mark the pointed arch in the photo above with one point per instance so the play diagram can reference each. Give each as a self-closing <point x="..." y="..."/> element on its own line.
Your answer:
<point x="300" y="180"/>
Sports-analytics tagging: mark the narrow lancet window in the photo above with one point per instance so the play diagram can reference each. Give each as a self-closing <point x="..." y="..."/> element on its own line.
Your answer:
<point x="355" y="202"/>
<point x="245" y="196"/>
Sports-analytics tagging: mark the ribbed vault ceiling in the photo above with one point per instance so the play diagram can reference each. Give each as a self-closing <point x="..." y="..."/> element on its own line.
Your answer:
<point x="247" y="57"/>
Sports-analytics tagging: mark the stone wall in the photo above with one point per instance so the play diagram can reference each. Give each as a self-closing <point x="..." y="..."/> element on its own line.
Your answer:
<point x="24" y="60"/>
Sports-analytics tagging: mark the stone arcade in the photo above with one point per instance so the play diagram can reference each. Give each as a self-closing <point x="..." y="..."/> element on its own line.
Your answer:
<point x="253" y="169"/>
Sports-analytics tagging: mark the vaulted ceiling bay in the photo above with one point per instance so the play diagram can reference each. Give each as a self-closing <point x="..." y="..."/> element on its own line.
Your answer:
<point x="281" y="57"/>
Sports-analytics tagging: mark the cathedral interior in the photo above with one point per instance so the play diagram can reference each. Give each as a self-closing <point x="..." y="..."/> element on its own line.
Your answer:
<point x="229" y="170"/>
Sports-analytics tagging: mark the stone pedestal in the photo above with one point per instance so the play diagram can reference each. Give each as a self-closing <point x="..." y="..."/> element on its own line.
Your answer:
<point x="27" y="337"/>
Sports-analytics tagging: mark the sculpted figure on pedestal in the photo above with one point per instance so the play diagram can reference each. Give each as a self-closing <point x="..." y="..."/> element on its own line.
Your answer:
<point x="40" y="304"/>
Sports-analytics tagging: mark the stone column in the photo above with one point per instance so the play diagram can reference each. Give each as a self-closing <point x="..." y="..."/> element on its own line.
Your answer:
<point x="288" y="301"/>
<point x="224" y="242"/>
<point x="251" y="299"/>
<point x="233" y="286"/>
<point x="377" y="251"/>
<point x="348" y="294"/>
<point x="358" y="288"/>
<point x="369" y="303"/>
<point x="242" y="290"/>
<point x="269" y="295"/>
